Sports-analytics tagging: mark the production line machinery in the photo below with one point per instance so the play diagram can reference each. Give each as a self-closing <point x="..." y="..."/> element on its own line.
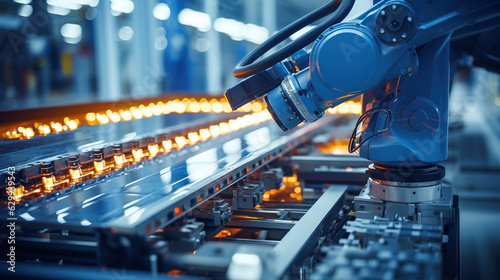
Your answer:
<point x="245" y="202"/>
<point x="156" y="192"/>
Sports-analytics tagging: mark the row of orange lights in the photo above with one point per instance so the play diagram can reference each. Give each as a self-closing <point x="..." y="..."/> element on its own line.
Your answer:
<point x="176" y="106"/>
<point x="154" y="150"/>
<point x="43" y="129"/>
<point x="217" y="130"/>
<point x="349" y="107"/>
<point x="186" y="105"/>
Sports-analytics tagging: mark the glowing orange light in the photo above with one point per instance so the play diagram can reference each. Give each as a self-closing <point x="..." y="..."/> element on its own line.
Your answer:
<point x="224" y="127"/>
<point x="292" y="179"/>
<point x="180" y="108"/>
<point x="18" y="193"/>
<point x="194" y="107"/>
<point x="136" y="113"/>
<point x="102" y="119"/>
<point x="217" y="107"/>
<point x="146" y="111"/>
<point x="29" y="132"/>
<point x="205" y="107"/>
<point x="90" y="117"/>
<point x="167" y="145"/>
<point x="157" y="109"/>
<point x="332" y="110"/>
<point x="44" y="129"/>
<point x="241" y="122"/>
<point x="214" y="130"/>
<point x="99" y="165"/>
<point x="48" y="183"/>
<point x="204" y="133"/>
<point x="255" y="118"/>
<point x="75" y="173"/>
<point x="115" y="117"/>
<point x="57" y="127"/>
<point x="193" y="137"/>
<point x="153" y="149"/>
<point x="138" y="154"/>
<point x="256" y="107"/>
<point x="126" y="115"/>
<point x="180" y="141"/>
<point x="166" y="109"/>
<point x="72" y="124"/>
<point x="247" y="120"/>
<point x="297" y="189"/>
<point x="343" y="108"/>
<point x="226" y="107"/>
<point x="177" y="211"/>
<point x="247" y="107"/>
<point x="355" y="108"/>
<point x="233" y="124"/>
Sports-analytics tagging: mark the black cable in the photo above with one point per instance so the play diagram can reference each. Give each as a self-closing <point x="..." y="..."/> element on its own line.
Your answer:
<point x="352" y="140"/>
<point x="248" y="66"/>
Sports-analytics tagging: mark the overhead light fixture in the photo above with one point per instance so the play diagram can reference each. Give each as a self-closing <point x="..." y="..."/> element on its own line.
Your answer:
<point x="201" y="21"/>
<point x="161" y="11"/>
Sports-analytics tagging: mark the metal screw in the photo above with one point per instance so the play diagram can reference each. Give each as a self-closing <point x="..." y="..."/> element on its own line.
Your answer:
<point x="362" y="207"/>
<point x="394" y="7"/>
<point x="403" y="35"/>
<point x="409" y="69"/>
<point x="436" y="213"/>
<point x="394" y="40"/>
<point x="382" y="13"/>
<point x="382" y="31"/>
<point x="409" y="19"/>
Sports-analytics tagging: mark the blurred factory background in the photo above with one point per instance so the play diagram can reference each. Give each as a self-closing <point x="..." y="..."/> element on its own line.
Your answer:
<point x="61" y="52"/>
<point x="55" y="52"/>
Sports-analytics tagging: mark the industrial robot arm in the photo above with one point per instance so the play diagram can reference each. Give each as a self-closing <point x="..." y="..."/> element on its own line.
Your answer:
<point x="396" y="55"/>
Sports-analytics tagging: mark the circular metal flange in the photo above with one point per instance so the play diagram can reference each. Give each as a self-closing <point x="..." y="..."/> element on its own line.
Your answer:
<point x="395" y="24"/>
<point x="291" y="92"/>
<point x="405" y="192"/>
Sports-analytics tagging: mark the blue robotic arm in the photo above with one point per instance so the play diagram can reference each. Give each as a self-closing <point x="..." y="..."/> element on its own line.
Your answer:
<point x="396" y="55"/>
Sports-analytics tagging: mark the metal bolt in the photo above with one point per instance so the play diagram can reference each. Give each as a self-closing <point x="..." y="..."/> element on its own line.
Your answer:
<point x="382" y="31"/>
<point x="382" y="13"/>
<point x="394" y="40"/>
<point x="409" y="69"/>
<point x="409" y="19"/>
<point x="403" y="35"/>
<point x="394" y="7"/>
<point x="436" y="213"/>
<point x="362" y="207"/>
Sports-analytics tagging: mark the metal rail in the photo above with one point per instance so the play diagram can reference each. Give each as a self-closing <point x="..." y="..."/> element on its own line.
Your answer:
<point x="302" y="238"/>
